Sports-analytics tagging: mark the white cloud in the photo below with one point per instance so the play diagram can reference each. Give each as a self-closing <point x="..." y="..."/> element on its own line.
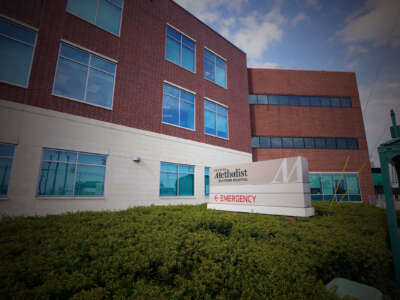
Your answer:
<point x="381" y="97"/>
<point x="209" y="11"/>
<point x="353" y="64"/>
<point x="377" y="22"/>
<point x="357" y="49"/>
<point x="299" y="18"/>
<point x="257" y="32"/>
<point x="253" y="32"/>
<point x="260" y="64"/>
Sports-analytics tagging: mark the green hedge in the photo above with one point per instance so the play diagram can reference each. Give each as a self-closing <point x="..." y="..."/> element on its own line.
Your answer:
<point x="189" y="252"/>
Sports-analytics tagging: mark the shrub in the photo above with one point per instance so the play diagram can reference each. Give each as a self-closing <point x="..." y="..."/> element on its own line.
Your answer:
<point x="189" y="252"/>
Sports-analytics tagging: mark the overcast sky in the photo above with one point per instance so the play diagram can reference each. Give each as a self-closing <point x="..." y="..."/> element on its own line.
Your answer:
<point x="362" y="36"/>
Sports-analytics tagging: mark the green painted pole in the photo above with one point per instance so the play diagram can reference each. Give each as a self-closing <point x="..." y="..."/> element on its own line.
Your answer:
<point x="385" y="158"/>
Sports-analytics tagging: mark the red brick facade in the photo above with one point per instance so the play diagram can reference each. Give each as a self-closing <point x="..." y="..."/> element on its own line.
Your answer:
<point x="141" y="68"/>
<point x="274" y="120"/>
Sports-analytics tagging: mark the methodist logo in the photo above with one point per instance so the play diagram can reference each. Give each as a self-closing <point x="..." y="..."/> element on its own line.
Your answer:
<point x="226" y="175"/>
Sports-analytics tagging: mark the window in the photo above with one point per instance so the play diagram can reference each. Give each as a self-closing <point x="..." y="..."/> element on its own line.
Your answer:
<point x="324" y="185"/>
<point x="178" y="107"/>
<point x="70" y="173"/>
<point x="6" y="159"/>
<point x="214" y="68"/>
<point x="300" y="100"/>
<point x="17" y="45"/>
<point x="84" y="77"/>
<point x="104" y="13"/>
<point x="215" y="119"/>
<point x="207" y="181"/>
<point x="179" y="49"/>
<point x="176" y="180"/>
<point x="303" y="142"/>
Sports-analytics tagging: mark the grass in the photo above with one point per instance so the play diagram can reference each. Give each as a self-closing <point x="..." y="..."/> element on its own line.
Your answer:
<point x="189" y="252"/>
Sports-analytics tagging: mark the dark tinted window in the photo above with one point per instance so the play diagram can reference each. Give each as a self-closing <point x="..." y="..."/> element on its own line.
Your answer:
<point x="331" y="143"/>
<point x="294" y="100"/>
<point x="262" y="99"/>
<point x="315" y="101"/>
<point x="253" y="99"/>
<point x="335" y="102"/>
<point x="305" y="101"/>
<point x="345" y="102"/>
<point x="273" y="99"/>
<point x="298" y="142"/>
<point x="352" y="143"/>
<point x="255" y="142"/>
<point x="325" y="101"/>
<point x="309" y="143"/>
<point x="320" y="143"/>
<point x="287" y="142"/>
<point x="276" y="142"/>
<point x="341" y="143"/>
<point x="265" y="142"/>
<point x="283" y="100"/>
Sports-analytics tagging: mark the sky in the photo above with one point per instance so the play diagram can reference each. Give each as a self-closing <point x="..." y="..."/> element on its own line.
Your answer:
<point x="361" y="36"/>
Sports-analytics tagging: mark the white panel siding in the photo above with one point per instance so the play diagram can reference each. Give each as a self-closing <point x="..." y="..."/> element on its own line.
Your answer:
<point x="127" y="183"/>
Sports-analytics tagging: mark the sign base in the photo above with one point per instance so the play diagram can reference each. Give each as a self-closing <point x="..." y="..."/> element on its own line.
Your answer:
<point x="270" y="210"/>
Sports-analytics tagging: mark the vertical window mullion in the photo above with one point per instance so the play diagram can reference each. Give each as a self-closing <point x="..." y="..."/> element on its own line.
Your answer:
<point x="87" y="78"/>
<point x="75" y="173"/>
<point x="177" y="181"/>
<point x="179" y="108"/>
<point x="180" y="56"/>
<point x="97" y="11"/>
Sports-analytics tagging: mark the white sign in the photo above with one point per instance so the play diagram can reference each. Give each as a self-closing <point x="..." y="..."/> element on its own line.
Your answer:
<point x="277" y="187"/>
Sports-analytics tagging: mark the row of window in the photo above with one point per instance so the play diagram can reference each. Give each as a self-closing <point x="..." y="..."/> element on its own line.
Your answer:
<point x="303" y="142"/>
<point x="86" y="77"/>
<point x="179" y="48"/>
<point x="72" y="173"/>
<point x="179" y="110"/>
<point x="300" y="100"/>
<point x="324" y="186"/>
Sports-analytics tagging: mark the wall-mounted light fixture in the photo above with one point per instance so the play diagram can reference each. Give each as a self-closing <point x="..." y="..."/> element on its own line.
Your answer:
<point x="136" y="159"/>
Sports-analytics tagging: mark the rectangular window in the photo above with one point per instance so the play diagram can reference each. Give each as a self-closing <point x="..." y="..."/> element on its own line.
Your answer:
<point x="252" y="99"/>
<point x="287" y="142"/>
<point x="176" y="179"/>
<point x="276" y="142"/>
<point x="178" y="107"/>
<point x="255" y="142"/>
<point x="179" y="49"/>
<point x="17" y="45"/>
<point x="6" y="160"/>
<point x="70" y="173"/>
<point x="84" y="77"/>
<point x="215" y="119"/>
<point x="345" y="102"/>
<point x="298" y="142"/>
<point x="106" y="14"/>
<point x="214" y="68"/>
<point x="262" y="99"/>
<point x="265" y="142"/>
<point x="207" y="181"/>
<point x="324" y="185"/>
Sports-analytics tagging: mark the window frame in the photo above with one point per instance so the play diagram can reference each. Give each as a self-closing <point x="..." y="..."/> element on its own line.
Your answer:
<point x="205" y="189"/>
<point x="73" y="195"/>
<point x="194" y="106"/>
<point x="301" y="100"/>
<point x="90" y="52"/>
<point x="97" y="8"/>
<point x="177" y="181"/>
<point x="215" y="67"/>
<point x="181" y="45"/>
<point x="338" y="196"/>
<point x="216" y="119"/>
<point x="5" y="196"/>
<point x="29" y="27"/>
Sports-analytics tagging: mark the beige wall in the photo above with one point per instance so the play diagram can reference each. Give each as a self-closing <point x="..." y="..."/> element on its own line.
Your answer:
<point x="127" y="183"/>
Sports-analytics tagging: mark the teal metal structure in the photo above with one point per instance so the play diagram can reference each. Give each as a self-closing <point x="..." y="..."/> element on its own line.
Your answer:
<point x="389" y="152"/>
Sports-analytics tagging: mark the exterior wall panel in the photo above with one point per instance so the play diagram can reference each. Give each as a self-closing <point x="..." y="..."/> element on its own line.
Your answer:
<point x="141" y="68"/>
<point x="293" y="121"/>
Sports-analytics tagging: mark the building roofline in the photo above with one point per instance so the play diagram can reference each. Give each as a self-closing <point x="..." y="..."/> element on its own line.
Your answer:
<point x="208" y="26"/>
<point x="300" y="70"/>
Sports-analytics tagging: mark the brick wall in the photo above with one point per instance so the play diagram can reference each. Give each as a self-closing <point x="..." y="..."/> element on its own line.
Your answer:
<point x="270" y="120"/>
<point x="141" y="69"/>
